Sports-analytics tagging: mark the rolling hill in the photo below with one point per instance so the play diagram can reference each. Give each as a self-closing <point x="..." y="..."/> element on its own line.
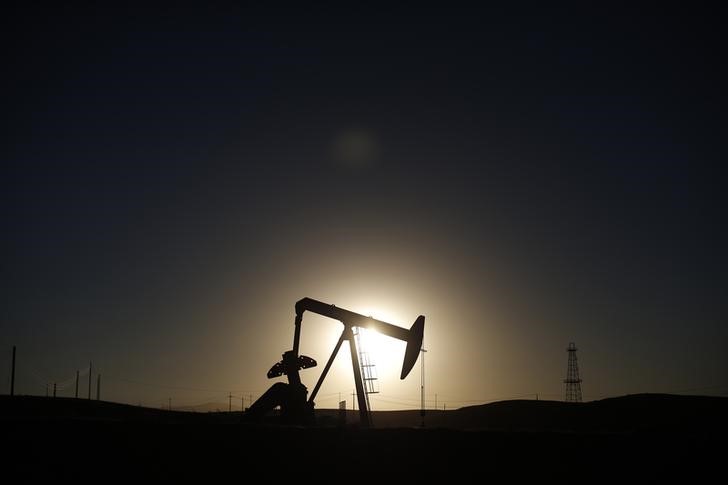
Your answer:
<point x="647" y="437"/>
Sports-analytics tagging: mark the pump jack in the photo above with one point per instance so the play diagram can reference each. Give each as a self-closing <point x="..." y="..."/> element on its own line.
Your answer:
<point x="291" y="397"/>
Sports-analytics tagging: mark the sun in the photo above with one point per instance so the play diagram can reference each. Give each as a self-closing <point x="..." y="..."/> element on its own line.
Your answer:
<point x="385" y="353"/>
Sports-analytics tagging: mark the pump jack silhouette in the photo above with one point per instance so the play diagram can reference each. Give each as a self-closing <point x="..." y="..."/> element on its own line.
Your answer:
<point x="291" y="397"/>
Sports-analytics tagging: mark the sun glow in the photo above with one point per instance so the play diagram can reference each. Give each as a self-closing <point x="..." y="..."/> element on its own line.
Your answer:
<point x="385" y="353"/>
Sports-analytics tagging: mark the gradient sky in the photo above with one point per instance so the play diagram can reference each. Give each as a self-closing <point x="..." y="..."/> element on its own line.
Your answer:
<point x="174" y="181"/>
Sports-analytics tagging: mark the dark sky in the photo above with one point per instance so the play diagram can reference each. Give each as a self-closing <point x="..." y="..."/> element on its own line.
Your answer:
<point x="174" y="180"/>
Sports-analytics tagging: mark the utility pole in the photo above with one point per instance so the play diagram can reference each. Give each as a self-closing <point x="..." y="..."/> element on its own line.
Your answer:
<point x="47" y="389"/>
<point x="54" y="389"/>
<point x="230" y="402"/>
<point x="98" y="387"/>
<point x="12" y="375"/>
<point x="89" y="379"/>
<point x="422" y="386"/>
<point x="170" y="403"/>
<point x="435" y="400"/>
<point x="242" y="403"/>
<point x="76" y="384"/>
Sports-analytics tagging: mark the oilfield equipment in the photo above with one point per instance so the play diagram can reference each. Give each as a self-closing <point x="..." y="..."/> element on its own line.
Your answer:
<point x="291" y="397"/>
<point x="572" y="381"/>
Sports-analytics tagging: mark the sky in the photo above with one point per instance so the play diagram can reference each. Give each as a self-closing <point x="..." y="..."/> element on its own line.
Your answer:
<point x="174" y="180"/>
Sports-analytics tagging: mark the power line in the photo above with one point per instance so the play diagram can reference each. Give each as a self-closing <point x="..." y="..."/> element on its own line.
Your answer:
<point x="177" y="388"/>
